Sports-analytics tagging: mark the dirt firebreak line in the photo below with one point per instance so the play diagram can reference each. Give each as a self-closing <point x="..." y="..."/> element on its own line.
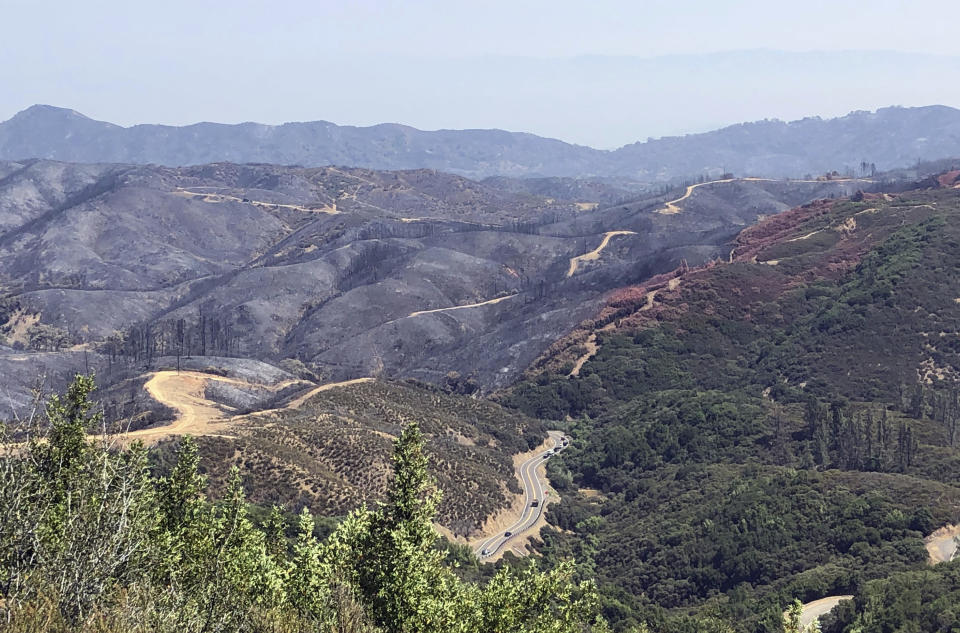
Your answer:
<point x="671" y="208"/>
<point x="197" y="415"/>
<point x="595" y="253"/>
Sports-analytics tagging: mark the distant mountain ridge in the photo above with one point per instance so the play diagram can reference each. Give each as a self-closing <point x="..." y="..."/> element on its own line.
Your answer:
<point x="888" y="138"/>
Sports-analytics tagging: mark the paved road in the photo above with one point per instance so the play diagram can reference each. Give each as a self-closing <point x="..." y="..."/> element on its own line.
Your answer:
<point x="533" y="488"/>
<point x="813" y="611"/>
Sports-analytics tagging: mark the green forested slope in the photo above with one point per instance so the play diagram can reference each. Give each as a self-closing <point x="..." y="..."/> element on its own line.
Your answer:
<point x="782" y="426"/>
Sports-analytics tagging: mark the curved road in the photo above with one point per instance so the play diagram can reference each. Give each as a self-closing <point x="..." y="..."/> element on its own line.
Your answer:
<point x="813" y="611"/>
<point x="196" y="415"/>
<point x="671" y="207"/>
<point x="942" y="546"/>
<point x="533" y="488"/>
<point x="595" y="253"/>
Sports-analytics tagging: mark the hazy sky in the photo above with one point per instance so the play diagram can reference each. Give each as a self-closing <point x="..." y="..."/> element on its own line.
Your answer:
<point x="577" y="70"/>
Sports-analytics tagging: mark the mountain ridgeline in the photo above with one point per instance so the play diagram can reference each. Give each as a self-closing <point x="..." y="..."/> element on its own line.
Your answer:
<point x="885" y="139"/>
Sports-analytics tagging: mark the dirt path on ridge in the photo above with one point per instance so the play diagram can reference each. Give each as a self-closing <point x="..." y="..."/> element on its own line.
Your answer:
<point x="592" y="349"/>
<point x="488" y="302"/>
<point x="296" y="403"/>
<point x="595" y="253"/>
<point x="671" y="207"/>
<point x="591" y="345"/>
<point x="214" y="197"/>
<point x="185" y="392"/>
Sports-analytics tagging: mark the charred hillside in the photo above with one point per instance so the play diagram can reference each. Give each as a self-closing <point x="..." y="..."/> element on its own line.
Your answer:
<point x="351" y="271"/>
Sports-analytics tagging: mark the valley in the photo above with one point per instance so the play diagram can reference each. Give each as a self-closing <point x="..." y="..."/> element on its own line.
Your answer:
<point x="500" y="317"/>
<point x="536" y="498"/>
<point x="696" y="345"/>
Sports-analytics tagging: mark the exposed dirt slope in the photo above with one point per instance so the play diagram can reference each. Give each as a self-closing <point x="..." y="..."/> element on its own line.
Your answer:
<point x="942" y="544"/>
<point x="198" y="415"/>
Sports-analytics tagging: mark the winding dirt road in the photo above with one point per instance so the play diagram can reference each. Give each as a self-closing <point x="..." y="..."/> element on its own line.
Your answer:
<point x="185" y="392"/>
<point x="296" y="403"/>
<point x="595" y="253"/>
<point x="592" y="348"/>
<point x="197" y="415"/>
<point x="222" y="197"/>
<point x="534" y="489"/>
<point x="671" y="207"/>
<point x="591" y="345"/>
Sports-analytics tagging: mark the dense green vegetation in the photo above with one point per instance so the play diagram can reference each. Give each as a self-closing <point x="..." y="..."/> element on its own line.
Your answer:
<point x="90" y="540"/>
<point x="771" y="432"/>
<point x="924" y="601"/>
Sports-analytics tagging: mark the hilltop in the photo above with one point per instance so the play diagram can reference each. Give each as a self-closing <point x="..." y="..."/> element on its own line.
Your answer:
<point x="768" y="148"/>
<point x="333" y="453"/>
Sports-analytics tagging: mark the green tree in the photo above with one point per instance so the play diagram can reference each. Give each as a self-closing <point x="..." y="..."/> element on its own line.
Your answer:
<point x="90" y="541"/>
<point x="403" y="580"/>
<point x="401" y="576"/>
<point x="275" y="532"/>
<point x="791" y="619"/>
<point x="78" y="516"/>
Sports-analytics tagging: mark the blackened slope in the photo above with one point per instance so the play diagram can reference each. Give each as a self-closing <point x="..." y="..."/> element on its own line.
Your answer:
<point x="352" y="271"/>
